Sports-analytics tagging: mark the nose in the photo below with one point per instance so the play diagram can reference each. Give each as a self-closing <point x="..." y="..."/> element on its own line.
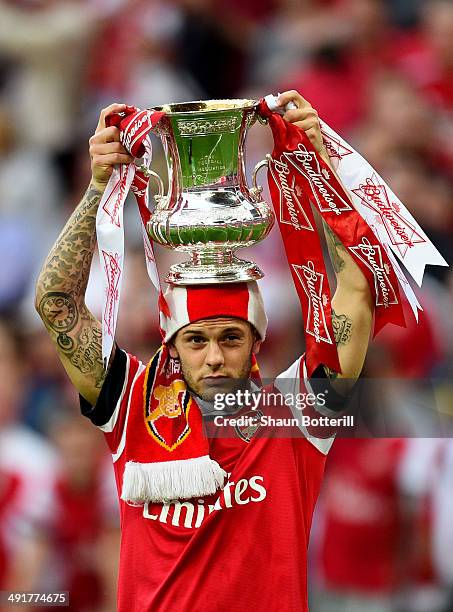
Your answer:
<point x="214" y="355"/>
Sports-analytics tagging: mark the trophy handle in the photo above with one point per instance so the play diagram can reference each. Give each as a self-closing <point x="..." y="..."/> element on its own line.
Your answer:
<point x="257" y="189"/>
<point x="160" y="184"/>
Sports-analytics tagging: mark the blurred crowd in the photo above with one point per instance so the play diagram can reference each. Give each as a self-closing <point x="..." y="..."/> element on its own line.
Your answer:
<point x="380" y="72"/>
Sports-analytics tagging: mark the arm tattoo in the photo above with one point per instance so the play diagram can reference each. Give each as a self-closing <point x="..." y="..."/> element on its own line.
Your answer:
<point x="67" y="266"/>
<point x="342" y="330"/>
<point x="61" y="291"/>
<point x="331" y="374"/>
<point x="78" y="335"/>
<point x="87" y="357"/>
<point x="334" y="246"/>
<point x="60" y="313"/>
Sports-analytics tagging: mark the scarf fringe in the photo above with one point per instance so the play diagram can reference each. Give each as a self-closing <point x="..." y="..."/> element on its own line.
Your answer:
<point x="167" y="480"/>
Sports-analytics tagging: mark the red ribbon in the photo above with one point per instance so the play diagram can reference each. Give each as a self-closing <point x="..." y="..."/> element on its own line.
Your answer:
<point x="299" y="177"/>
<point x="135" y="125"/>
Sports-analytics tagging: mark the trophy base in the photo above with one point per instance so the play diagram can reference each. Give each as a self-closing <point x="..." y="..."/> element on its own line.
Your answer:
<point x="234" y="271"/>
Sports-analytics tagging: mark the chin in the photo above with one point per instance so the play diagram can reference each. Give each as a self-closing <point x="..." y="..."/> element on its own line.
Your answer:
<point x="209" y="395"/>
<point x="209" y="392"/>
<point x="228" y="385"/>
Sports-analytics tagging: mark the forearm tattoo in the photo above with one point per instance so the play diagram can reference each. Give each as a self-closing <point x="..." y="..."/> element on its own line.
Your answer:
<point x="61" y="291"/>
<point x="67" y="266"/>
<point x="87" y="356"/>
<point x="342" y="330"/>
<point x="60" y="313"/>
<point x="335" y="246"/>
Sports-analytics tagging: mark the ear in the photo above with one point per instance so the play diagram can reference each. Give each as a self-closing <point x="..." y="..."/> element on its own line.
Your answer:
<point x="173" y="352"/>
<point x="256" y="346"/>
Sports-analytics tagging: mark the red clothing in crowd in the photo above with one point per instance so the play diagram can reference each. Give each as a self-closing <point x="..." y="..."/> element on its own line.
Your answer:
<point x="9" y="487"/>
<point x="78" y="523"/>
<point x="362" y="518"/>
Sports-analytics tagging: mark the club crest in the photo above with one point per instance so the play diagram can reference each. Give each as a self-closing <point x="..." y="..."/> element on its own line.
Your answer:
<point x="247" y="432"/>
<point x="167" y="413"/>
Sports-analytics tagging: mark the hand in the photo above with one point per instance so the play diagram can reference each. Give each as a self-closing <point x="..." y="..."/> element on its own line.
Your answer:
<point x="306" y="118"/>
<point x="106" y="149"/>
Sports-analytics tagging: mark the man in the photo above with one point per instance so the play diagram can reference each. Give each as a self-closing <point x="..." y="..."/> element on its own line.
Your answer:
<point x="245" y="544"/>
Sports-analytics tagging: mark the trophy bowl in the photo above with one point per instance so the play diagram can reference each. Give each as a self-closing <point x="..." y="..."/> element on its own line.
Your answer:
<point x="209" y="210"/>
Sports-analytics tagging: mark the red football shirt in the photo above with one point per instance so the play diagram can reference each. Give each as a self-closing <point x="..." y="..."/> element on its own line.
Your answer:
<point x="243" y="548"/>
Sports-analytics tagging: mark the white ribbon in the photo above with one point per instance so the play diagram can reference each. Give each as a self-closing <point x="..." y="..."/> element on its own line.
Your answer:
<point x="110" y="238"/>
<point x="384" y="212"/>
<point x="391" y="222"/>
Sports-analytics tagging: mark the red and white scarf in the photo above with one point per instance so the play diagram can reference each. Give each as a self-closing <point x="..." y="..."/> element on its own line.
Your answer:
<point x="167" y="453"/>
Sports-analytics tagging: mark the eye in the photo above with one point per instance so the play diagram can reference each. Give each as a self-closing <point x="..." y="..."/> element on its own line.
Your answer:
<point x="197" y="339"/>
<point x="232" y="338"/>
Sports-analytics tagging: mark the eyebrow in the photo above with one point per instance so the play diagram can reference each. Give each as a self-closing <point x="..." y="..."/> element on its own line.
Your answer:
<point x="228" y="330"/>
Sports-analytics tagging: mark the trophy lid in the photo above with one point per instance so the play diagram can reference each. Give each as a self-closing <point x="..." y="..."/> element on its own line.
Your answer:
<point x="197" y="106"/>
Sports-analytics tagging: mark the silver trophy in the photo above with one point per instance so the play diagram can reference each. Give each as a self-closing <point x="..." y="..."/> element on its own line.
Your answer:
<point x="209" y="210"/>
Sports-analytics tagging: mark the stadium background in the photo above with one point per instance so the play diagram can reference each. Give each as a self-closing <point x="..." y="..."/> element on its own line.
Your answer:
<point x="379" y="72"/>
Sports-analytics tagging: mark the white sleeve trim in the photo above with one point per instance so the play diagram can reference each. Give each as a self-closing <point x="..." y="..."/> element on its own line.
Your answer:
<point x="122" y="444"/>
<point x="292" y="385"/>
<point x="110" y="425"/>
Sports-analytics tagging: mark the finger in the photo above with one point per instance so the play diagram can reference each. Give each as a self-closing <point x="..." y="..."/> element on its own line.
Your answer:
<point x="109" y="134"/>
<point x="308" y="124"/>
<point x="301" y="114"/>
<point x="292" y="96"/>
<point x="105" y="148"/>
<point x="105" y="112"/>
<point x="111" y="159"/>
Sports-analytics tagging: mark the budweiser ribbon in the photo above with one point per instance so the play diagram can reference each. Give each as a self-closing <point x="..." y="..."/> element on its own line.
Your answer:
<point x="135" y="126"/>
<point x="374" y="226"/>
<point x="390" y="220"/>
<point x="298" y="176"/>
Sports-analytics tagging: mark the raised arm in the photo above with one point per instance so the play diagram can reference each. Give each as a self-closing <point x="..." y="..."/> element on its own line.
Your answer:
<point x="61" y="286"/>
<point x="352" y="312"/>
<point x="352" y="303"/>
